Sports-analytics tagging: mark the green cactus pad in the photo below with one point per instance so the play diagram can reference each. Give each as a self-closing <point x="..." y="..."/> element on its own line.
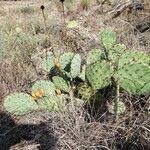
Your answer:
<point x="129" y="57"/>
<point x="61" y="84"/>
<point x="65" y="59"/>
<point x="75" y="66"/>
<point x="116" y="52"/>
<point x="99" y="74"/>
<point x="47" y="86"/>
<point x="20" y="104"/>
<point x="93" y="56"/>
<point x="51" y="103"/>
<point x="135" y="78"/>
<point x="82" y="74"/>
<point x="48" y="62"/>
<point x="108" y="38"/>
<point x="121" y="108"/>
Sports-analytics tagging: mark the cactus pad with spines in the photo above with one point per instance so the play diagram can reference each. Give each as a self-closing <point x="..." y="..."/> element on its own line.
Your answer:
<point x="61" y="84"/>
<point x="19" y="104"/>
<point x="130" y="57"/>
<point x="75" y="66"/>
<point x="48" y="62"/>
<point x="93" y="56"/>
<point x="99" y="74"/>
<point x="47" y="87"/>
<point x="65" y="59"/>
<point x="108" y="38"/>
<point x="52" y="103"/>
<point x="135" y="78"/>
<point x="82" y="74"/>
<point x="116" y="52"/>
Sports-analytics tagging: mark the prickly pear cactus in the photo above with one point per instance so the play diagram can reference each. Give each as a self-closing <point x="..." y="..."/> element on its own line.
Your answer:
<point x="66" y="59"/>
<point x="52" y="103"/>
<point x="85" y="91"/>
<point x="130" y="57"/>
<point x="48" y="62"/>
<point x="93" y="56"/>
<point x="135" y="78"/>
<point x="82" y="74"/>
<point x="121" y="108"/>
<point x="116" y="52"/>
<point x="61" y="84"/>
<point x="108" y="38"/>
<point x="20" y="104"/>
<point x="75" y="66"/>
<point x="47" y="87"/>
<point x="99" y="74"/>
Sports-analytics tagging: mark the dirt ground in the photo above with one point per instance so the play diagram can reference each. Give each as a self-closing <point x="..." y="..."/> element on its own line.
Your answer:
<point x="48" y="131"/>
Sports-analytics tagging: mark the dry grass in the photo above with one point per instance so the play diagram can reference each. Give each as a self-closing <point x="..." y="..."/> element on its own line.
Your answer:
<point x="77" y="129"/>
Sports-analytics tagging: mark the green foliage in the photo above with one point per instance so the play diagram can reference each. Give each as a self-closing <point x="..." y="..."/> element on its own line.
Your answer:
<point x="129" y="69"/>
<point x="93" y="56"/>
<point x="61" y="84"/>
<point x="108" y="38"/>
<point x="48" y="63"/>
<point x="19" y="104"/>
<point x="99" y="74"/>
<point x="116" y="52"/>
<point x="75" y="66"/>
<point x="134" y="78"/>
<point x="47" y="86"/>
<point x="130" y="57"/>
<point x="65" y="59"/>
<point x="52" y="103"/>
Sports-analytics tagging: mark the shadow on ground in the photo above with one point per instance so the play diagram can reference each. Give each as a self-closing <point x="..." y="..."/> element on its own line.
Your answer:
<point x="12" y="134"/>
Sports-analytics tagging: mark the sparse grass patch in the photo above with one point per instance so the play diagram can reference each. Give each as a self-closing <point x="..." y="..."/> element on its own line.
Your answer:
<point x="90" y="125"/>
<point x="26" y="10"/>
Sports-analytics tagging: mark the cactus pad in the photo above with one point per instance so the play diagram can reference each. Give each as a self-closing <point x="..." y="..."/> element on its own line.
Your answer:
<point x="129" y="57"/>
<point x="47" y="87"/>
<point x="75" y="66"/>
<point x="61" y="84"/>
<point x="93" y="56"/>
<point x="135" y="78"/>
<point x="20" y="104"/>
<point x="52" y="103"/>
<point x="99" y="74"/>
<point x="82" y="74"/>
<point x="116" y="52"/>
<point x="108" y="38"/>
<point x="65" y="59"/>
<point x="48" y="62"/>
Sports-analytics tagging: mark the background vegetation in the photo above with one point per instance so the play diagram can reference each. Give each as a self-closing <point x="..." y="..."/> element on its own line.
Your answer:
<point x="25" y="37"/>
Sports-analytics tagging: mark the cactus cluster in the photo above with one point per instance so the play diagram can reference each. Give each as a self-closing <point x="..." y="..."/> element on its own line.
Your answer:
<point x="113" y="66"/>
<point x="129" y="68"/>
<point x="42" y="96"/>
<point x="124" y="69"/>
